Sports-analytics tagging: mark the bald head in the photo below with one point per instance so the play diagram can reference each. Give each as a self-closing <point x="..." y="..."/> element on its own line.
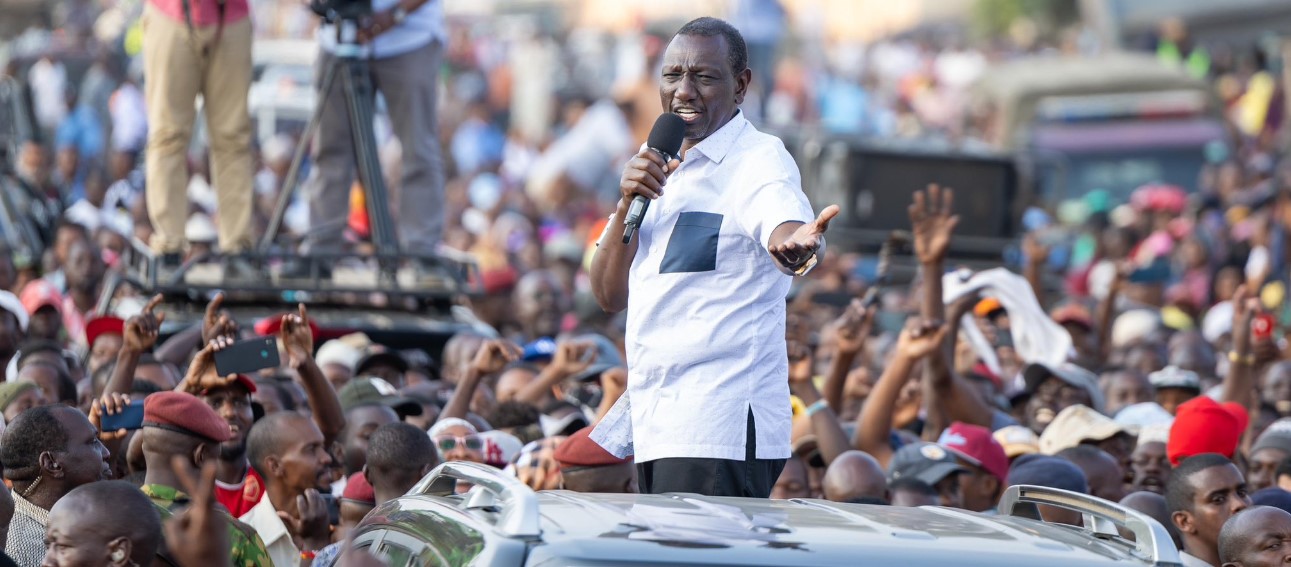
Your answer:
<point x="855" y="476"/>
<point x="1256" y="537"/>
<point x="91" y="515"/>
<point x="1106" y="479"/>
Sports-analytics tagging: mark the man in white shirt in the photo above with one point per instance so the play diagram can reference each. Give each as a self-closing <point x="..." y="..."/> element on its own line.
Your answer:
<point x="404" y="40"/>
<point x="707" y="408"/>
<point x="286" y="448"/>
<point x="1203" y="492"/>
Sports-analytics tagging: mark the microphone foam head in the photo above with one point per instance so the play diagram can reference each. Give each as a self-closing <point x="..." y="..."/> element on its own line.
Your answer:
<point x="667" y="134"/>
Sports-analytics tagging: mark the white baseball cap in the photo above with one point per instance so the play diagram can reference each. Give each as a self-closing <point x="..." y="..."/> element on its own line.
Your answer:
<point x="10" y="302"/>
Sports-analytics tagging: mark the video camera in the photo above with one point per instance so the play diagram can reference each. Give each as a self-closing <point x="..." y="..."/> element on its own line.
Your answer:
<point x="334" y="10"/>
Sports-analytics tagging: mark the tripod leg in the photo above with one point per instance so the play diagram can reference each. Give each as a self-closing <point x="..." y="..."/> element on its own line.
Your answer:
<point x="359" y="94"/>
<point x="292" y="181"/>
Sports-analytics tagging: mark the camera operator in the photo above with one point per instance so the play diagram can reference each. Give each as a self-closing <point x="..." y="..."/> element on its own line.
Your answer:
<point x="404" y="40"/>
<point x="194" y="47"/>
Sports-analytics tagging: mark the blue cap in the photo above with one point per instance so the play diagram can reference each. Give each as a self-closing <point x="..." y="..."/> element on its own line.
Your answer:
<point x="540" y="350"/>
<point x="1052" y="472"/>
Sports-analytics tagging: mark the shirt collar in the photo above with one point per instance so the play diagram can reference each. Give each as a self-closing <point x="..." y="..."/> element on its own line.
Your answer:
<point x="163" y="492"/>
<point x="263" y="518"/>
<point x="25" y="507"/>
<point x="718" y="144"/>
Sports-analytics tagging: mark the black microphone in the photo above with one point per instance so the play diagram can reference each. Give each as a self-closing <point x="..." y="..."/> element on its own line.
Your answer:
<point x="665" y="139"/>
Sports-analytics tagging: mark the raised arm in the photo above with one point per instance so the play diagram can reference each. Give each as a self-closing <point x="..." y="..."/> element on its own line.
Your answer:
<point x="830" y="436"/>
<point x="957" y="400"/>
<point x="1240" y="382"/>
<point x="571" y="357"/>
<point x="298" y="341"/>
<point x="614" y="382"/>
<point x="493" y="356"/>
<point x="852" y="330"/>
<point x="1033" y="270"/>
<point x="933" y="223"/>
<point x="140" y="335"/>
<point x="645" y="174"/>
<point x="874" y="426"/>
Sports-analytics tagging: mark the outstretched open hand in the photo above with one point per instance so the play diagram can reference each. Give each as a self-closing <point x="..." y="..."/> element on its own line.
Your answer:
<point x="800" y="246"/>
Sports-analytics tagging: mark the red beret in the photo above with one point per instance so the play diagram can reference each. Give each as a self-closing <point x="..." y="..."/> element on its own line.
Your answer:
<point x="358" y="489"/>
<point x="100" y="326"/>
<point x="271" y="324"/>
<point x="580" y="451"/>
<point x="1202" y="425"/>
<point x="185" y="413"/>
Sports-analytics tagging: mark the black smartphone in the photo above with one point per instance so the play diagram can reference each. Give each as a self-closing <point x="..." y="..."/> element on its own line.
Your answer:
<point x="333" y="508"/>
<point x="130" y="417"/>
<point x="247" y="357"/>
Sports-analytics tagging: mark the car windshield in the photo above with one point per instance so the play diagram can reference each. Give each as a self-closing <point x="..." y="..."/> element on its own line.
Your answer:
<point x="1071" y="176"/>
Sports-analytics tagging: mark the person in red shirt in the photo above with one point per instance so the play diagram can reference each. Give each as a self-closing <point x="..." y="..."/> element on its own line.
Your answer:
<point x="237" y="485"/>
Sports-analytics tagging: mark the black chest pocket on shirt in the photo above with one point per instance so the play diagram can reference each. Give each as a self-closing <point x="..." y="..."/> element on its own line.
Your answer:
<point x="693" y="244"/>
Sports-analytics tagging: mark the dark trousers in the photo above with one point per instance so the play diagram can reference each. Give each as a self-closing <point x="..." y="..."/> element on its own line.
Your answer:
<point x="750" y="478"/>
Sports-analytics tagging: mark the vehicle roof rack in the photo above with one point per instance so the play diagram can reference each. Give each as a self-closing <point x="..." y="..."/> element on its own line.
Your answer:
<point x="440" y="277"/>
<point x="515" y="503"/>
<point x="1152" y="543"/>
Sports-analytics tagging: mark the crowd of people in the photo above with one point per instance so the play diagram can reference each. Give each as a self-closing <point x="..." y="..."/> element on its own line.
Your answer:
<point x="1141" y="356"/>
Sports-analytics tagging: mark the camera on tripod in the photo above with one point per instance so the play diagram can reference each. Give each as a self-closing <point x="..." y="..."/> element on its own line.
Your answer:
<point x="333" y="10"/>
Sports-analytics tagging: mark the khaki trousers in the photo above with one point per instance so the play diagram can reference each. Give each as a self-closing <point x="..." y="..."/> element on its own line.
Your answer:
<point x="175" y="72"/>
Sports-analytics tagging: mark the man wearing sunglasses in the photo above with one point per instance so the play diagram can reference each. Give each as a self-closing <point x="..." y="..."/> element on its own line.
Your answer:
<point x="457" y="440"/>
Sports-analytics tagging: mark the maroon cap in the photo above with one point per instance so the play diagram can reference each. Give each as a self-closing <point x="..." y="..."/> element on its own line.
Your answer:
<point x="975" y="444"/>
<point x="185" y="413"/>
<point x="100" y="326"/>
<point x="580" y="451"/>
<point x="358" y="489"/>
<point x="270" y="325"/>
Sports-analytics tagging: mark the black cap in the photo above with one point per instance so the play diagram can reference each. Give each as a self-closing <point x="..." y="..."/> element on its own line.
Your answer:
<point x="382" y="358"/>
<point x="370" y="391"/>
<point x="926" y="462"/>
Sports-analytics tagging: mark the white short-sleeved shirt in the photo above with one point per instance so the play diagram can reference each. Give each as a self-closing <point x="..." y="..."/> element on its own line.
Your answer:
<point x="706" y="306"/>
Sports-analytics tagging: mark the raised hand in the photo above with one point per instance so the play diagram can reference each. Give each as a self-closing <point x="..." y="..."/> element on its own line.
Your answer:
<point x="494" y="355"/>
<point x="854" y="326"/>
<point x="297" y="338"/>
<point x="1036" y="253"/>
<point x="109" y="404"/>
<point x="217" y="323"/>
<point x="198" y="535"/>
<point x="920" y="338"/>
<point x="309" y="526"/>
<point x="141" y="331"/>
<point x="1245" y="307"/>
<point x="614" y="380"/>
<point x="573" y="356"/>
<point x="933" y="222"/>
<point x="804" y="242"/>
<point x="201" y="374"/>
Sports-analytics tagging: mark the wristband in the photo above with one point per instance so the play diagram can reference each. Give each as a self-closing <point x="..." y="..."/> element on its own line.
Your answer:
<point x="806" y="266"/>
<point x="816" y="407"/>
<point x="1235" y="358"/>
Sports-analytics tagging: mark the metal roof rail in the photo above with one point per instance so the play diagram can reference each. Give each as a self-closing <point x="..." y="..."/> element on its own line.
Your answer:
<point x="1151" y="543"/>
<point x="516" y="503"/>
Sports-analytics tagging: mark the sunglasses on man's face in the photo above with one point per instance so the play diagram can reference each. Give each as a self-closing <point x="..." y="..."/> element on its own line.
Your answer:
<point x="449" y="442"/>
